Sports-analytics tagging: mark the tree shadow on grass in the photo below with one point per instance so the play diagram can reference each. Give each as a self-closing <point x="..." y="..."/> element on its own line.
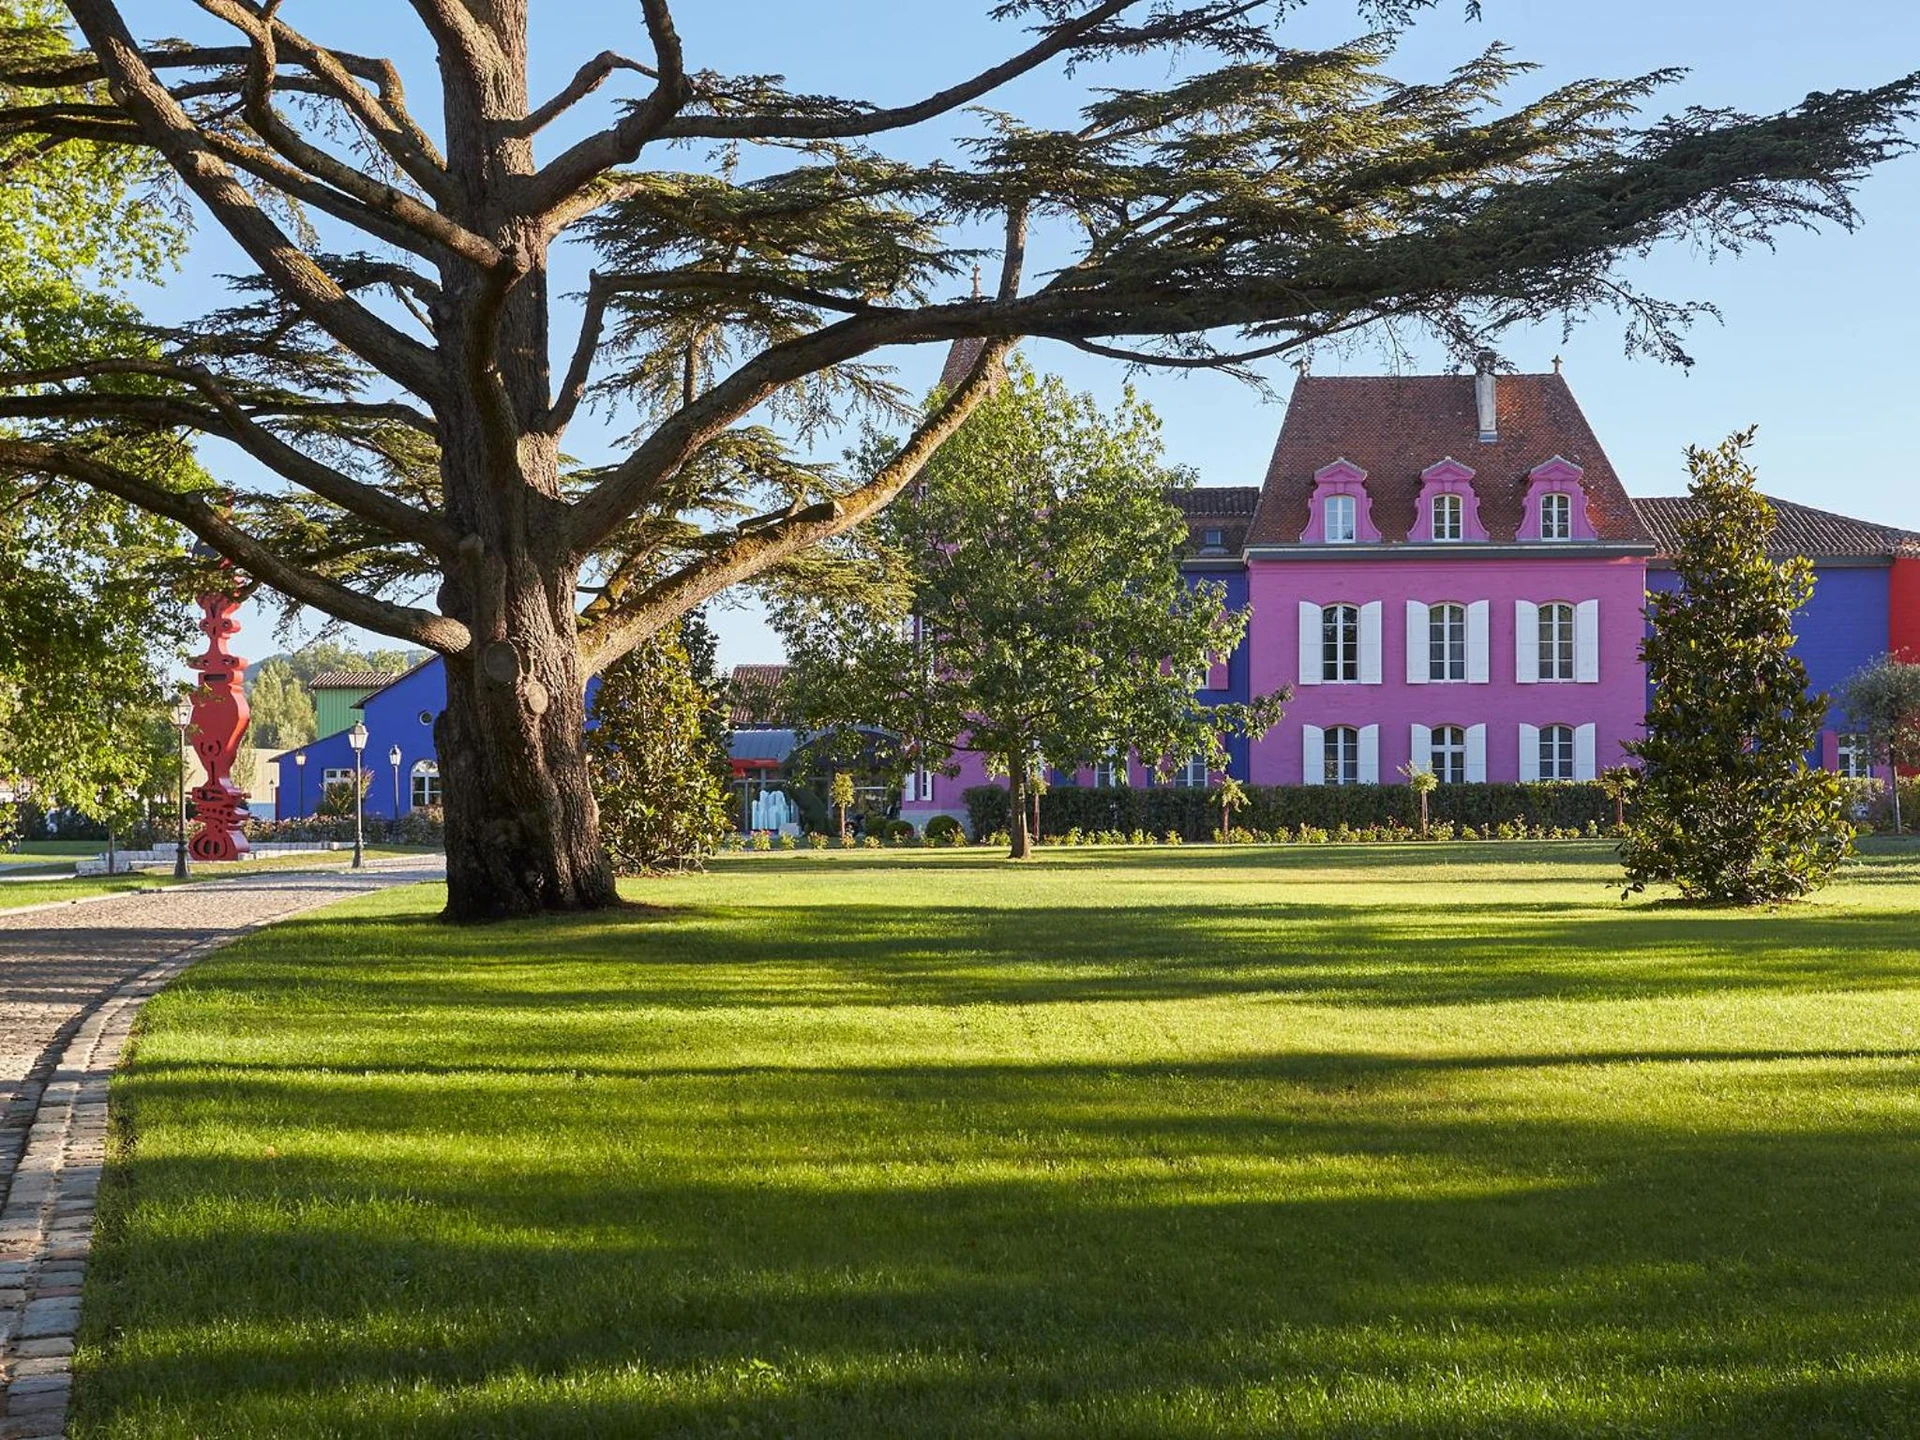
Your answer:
<point x="862" y="955"/>
<point x="1246" y="1247"/>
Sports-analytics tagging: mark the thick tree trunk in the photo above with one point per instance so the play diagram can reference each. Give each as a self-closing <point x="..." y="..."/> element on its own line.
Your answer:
<point x="523" y="832"/>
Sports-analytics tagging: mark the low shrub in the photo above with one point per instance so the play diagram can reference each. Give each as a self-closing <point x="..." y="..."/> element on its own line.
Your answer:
<point x="816" y="841"/>
<point x="944" y="830"/>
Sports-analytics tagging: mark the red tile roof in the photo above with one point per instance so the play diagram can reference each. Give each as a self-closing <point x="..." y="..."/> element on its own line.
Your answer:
<point x="753" y="695"/>
<point x="352" y="680"/>
<point x="1797" y="530"/>
<point x="1226" y="508"/>
<point x="1394" y="427"/>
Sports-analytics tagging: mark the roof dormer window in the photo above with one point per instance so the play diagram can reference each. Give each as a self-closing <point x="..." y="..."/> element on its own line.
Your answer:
<point x="1339" y="519"/>
<point x="1556" y="515"/>
<point x="1448" y="512"/>
<point x="1214" y="539"/>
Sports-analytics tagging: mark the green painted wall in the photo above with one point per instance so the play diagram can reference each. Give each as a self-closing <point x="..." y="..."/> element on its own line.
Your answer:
<point x="333" y="709"/>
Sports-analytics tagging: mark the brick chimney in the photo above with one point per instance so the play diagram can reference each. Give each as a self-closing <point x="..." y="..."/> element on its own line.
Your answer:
<point x="1483" y="396"/>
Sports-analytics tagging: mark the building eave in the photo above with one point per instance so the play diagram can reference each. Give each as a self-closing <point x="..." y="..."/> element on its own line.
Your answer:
<point x="1402" y="550"/>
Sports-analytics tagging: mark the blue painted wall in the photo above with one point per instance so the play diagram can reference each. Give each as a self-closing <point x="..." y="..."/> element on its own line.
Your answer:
<point x="1843" y="627"/>
<point x="1239" y="664"/>
<point x="392" y="717"/>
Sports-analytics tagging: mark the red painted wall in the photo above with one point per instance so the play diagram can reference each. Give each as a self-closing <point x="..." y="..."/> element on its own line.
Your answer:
<point x="1903" y="606"/>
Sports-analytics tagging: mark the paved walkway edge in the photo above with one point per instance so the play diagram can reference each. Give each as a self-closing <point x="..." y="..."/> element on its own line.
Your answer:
<point x="46" y="1222"/>
<point x="46" y="1226"/>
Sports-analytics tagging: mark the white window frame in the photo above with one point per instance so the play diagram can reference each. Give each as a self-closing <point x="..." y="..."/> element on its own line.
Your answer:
<point x="1556" y="752"/>
<point x="1853" y="758"/>
<point x="1340" y="644"/>
<point x="1110" y="774"/>
<point x="1342" y="763"/>
<point x="1559" y="647"/>
<point x="1447" y="517"/>
<point x="1348" y="510"/>
<point x="1213" y="538"/>
<point x="1447" y="754"/>
<point x="423" y="786"/>
<point x="336" y="775"/>
<point x="1556" y="516"/>
<point x="1447" y="642"/>
<point x="1192" y="775"/>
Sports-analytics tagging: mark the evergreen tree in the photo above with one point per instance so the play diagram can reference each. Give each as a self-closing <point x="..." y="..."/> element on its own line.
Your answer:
<point x="659" y="778"/>
<point x="1728" y="808"/>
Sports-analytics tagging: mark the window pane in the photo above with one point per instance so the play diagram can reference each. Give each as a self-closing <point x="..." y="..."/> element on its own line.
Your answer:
<point x="1339" y="517"/>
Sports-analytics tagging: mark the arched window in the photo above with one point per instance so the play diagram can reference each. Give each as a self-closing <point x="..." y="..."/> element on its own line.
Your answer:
<point x="1556" y="515"/>
<point x="1447" y="521"/>
<point x="1447" y="757"/>
<point x="1446" y="642"/>
<point x="1338" y="512"/>
<point x="1556" y="752"/>
<point x="426" y="785"/>
<point x="1339" y="642"/>
<point x="1556" y="641"/>
<point x="1343" y="755"/>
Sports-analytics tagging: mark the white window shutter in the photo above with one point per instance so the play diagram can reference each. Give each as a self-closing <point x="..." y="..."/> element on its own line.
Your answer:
<point x="1529" y="752"/>
<point x="1477" y="667"/>
<point x="1586" y="642"/>
<point x="1417" y="645"/>
<point x="1583" y="752"/>
<point x="1422" y="758"/>
<point x="1370" y="643"/>
<point x="1526" y="642"/>
<point x="1369" y="754"/>
<point x="908" y="788"/>
<point x="1313" y="755"/>
<point x="1476" y="754"/>
<point x="1309" y="643"/>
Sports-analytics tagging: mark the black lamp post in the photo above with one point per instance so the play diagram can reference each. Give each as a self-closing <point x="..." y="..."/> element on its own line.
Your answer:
<point x="182" y="721"/>
<point x="357" y="738"/>
<point x="300" y="765"/>
<point x="393" y="759"/>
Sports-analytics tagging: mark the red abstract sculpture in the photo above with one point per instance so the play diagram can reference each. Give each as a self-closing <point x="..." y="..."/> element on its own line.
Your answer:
<point x="219" y="723"/>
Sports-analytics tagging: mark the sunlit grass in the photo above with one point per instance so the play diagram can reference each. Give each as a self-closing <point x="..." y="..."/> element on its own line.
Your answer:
<point x="1417" y="1141"/>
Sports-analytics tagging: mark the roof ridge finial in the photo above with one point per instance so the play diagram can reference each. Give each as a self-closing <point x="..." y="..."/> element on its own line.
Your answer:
<point x="976" y="283"/>
<point x="1556" y="364"/>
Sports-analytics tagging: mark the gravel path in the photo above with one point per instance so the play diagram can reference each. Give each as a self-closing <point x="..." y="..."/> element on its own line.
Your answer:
<point x="72" y="979"/>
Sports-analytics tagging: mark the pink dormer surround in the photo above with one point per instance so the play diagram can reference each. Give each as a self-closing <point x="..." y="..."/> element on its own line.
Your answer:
<point x="1342" y="477"/>
<point x="1562" y="475"/>
<point x="1449" y="477"/>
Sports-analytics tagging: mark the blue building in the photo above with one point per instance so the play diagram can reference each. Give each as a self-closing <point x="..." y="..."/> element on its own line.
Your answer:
<point x="400" y="752"/>
<point x="1847" y="625"/>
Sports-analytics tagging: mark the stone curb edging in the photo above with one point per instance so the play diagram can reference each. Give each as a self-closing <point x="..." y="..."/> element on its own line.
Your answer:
<point x="46" y="1225"/>
<point x="46" y="1222"/>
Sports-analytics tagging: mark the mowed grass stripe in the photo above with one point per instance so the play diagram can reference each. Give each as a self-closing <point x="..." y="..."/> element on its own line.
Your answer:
<point x="1419" y="1141"/>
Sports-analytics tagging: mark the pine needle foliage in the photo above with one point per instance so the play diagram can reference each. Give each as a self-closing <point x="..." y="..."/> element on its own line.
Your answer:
<point x="1728" y="808"/>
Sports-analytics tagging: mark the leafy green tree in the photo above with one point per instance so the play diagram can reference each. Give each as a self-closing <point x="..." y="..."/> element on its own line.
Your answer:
<point x="282" y="707"/>
<point x="1046" y="612"/>
<point x="753" y="251"/>
<point x="841" y="796"/>
<point x="1728" y="808"/>
<point x="1882" y="702"/>
<point x="659" y="777"/>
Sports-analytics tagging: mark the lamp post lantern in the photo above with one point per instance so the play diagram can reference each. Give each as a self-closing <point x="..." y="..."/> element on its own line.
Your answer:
<point x="357" y="738"/>
<point x="393" y="759"/>
<point x="182" y="722"/>
<point x="300" y="765"/>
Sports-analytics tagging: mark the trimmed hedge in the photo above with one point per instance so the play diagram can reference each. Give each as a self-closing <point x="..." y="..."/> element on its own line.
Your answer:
<point x="1195" y="814"/>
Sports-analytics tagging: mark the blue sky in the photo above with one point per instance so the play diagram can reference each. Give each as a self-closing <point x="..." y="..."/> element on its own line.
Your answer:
<point x="1818" y="339"/>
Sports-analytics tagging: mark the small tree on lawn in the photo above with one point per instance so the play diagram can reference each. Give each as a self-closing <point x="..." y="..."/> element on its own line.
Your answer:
<point x="1042" y="610"/>
<point x="1882" y="702"/>
<point x="1617" y="782"/>
<point x="1233" y="796"/>
<point x="842" y="795"/>
<point x="660" y="775"/>
<point x="1421" y="780"/>
<point x="1729" y="810"/>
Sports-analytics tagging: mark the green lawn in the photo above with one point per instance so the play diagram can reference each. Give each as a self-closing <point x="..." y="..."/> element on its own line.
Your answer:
<point x="1391" y="1142"/>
